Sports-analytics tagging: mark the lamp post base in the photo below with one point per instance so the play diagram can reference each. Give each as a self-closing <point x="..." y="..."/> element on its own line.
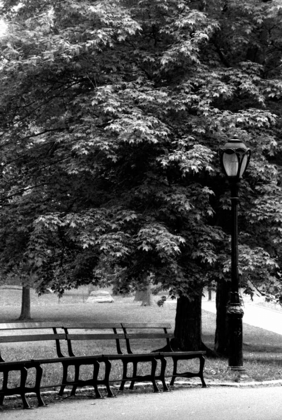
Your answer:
<point x="238" y="374"/>
<point x="235" y="318"/>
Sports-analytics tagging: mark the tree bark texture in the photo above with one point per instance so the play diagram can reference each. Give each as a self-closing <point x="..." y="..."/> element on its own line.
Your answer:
<point x="221" y="333"/>
<point x="188" y="323"/>
<point x="25" y="310"/>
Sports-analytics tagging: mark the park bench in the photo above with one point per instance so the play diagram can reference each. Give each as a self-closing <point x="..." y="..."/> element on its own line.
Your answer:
<point x="8" y="336"/>
<point x="64" y="354"/>
<point x="124" y="335"/>
<point x="157" y="331"/>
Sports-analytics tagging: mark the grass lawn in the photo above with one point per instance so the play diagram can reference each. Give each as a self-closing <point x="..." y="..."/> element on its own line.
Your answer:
<point x="262" y="349"/>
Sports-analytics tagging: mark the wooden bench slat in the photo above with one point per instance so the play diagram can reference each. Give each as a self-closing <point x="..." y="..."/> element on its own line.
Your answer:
<point x="147" y="335"/>
<point x="93" y="325"/>
<point x="29" y="325"/>
<point x="145" y="325"/>
<point x="67" y="359"/>
<point x="147" y="356"/>
<point x="31" y="337"/>
<point x="116" y="336"/>
<point x="181" y="353"/>
<point x="35" y="325"/>
<point x="94" y="336"/>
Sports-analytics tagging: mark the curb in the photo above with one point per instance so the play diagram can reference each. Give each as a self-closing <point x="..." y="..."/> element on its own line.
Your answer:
<point x="245" y="384"/>
<point x="177" y="384"/>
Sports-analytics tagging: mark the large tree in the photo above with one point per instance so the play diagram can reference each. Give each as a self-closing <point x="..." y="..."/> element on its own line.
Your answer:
<point x="111" y="116"/>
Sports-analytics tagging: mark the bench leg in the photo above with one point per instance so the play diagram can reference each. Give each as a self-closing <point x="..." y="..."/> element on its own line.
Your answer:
<point x="64" y="379"/>
<point x="76" y="379"/>
<point x="174" y="371"/>
<point x="23" y="373"/>
<point x="153" y="373"/>
<point x="133" y="374"/>
<point x="95" y="378"/>
<point x="108" y="367"/>
<point x="124" y="375"/>
<point x="4" y="387"/>
<point x="201" y="372"/>
<point x="162" y="375"/>
<point x="2" y="392"/>
<point x="39" y="372"/>
<point x="189" y="375"/>
<point x="23" y="389"/>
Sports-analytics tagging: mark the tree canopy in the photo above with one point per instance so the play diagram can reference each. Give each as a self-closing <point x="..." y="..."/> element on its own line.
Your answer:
<point x="112" y="113"/>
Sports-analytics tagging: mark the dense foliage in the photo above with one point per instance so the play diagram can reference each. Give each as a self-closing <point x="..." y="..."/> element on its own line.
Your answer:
<point x="112" y="113"/>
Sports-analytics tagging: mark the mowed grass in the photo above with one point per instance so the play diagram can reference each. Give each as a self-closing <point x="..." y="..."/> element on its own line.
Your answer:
<point x="262" y="349"/>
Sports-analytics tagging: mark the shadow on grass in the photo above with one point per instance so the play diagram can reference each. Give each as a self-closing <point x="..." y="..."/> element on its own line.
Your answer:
<point x="260" y="348"/>
<point x="264" y="359"/>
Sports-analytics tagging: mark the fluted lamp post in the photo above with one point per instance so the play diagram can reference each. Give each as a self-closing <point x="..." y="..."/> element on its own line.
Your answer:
<point x="235" y="157"/>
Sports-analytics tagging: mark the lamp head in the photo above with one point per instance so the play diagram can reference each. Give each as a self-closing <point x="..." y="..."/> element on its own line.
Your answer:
<point x="234" y="158"/>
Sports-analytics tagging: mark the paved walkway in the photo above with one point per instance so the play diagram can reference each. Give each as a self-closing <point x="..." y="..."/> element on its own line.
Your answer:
<point x="217" y="403"/>
<point x="255" y="314"/>
<point x="192" y="404"/>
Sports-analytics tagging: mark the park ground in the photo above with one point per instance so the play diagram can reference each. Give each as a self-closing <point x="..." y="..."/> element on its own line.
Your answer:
<point x="262" y="332"/>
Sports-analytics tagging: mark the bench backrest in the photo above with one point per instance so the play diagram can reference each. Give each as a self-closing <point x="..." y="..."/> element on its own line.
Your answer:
<point x="120" y="332"/>
<point x="155" y="331"/>
<point x="66" y="333"/>
<point x="93" y="331"/>
<point x="26" y="332"/>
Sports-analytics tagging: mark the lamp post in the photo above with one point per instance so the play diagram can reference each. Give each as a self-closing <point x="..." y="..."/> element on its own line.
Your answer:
<point x="235" y="157"/>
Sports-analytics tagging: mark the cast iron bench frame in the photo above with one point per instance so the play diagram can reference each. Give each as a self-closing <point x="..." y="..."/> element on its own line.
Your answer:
<point x="119" y="333"/>
<point x="162" y="355"/>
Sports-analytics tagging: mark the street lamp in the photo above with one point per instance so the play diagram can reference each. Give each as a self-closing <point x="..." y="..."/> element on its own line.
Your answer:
<point x="235" y="157"/>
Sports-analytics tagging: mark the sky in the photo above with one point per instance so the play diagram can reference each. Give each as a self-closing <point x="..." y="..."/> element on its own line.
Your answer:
<point x="3" y="27"/>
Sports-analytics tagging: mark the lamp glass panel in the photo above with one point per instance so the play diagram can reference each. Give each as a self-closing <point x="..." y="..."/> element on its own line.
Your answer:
<point x="231" y="163"/>
<point x="244" y="164"/>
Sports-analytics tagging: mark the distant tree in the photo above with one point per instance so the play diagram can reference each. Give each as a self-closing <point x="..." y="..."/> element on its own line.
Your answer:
<point x="144" y="296"/>
<point x="25" y="306"/>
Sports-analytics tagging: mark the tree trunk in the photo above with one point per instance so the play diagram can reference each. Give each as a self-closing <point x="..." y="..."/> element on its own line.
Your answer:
<point x="221" y="332"/>
<point x="209" y="293"/>
<point x="25" y="311"/>
<point x="188" y="323"/>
